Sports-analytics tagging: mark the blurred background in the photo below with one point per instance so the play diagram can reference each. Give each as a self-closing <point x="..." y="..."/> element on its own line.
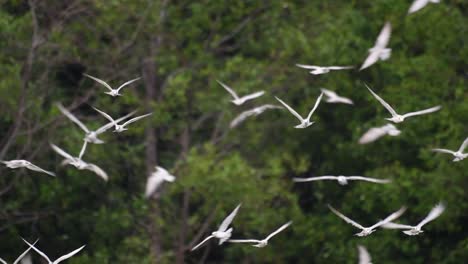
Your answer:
<point x="180" y="48"/>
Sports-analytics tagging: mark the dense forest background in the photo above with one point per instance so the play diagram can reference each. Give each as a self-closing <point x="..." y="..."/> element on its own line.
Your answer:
<point x="180" y="48"/>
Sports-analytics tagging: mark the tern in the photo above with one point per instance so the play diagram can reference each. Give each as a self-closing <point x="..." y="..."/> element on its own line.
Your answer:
<point x="380" y="50"/>
<point x="252" y="112"/>
<point x="459" y="155"/>
<point x="120" y="128"/>
<point x="263" y="242"/>
<point x="223" y="233"/>
<point x="316" y="70"/>
<point x="396" y="118"/>
<point x="156" y="179"/>
<point x="343" y="180"/>
<point x="112" y="92"/>
<point x="415" y="230"/>
<point x="377" y="132"/>
<point x="78" y="162"/>
<point x="14" y="164"/>
<point x="364" y="256"/>
<point x="365" y="231"/>
<point x="62" y="258"/>
<point x="21" y="257"/>
<point x="240" y="100"/>
<point x="332" y="97"/>
<point x="304" y="122"/>
<point x="419" y="4"/>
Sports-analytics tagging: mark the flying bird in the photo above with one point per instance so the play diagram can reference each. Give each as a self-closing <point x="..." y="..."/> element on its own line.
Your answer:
<point x="459" y="155"/>
<point x="263" y="242"/>
<point x="223" y="233"/>
<point x="377" y="132"/>
<point x="316" y="70"/>
<point x="240" y="100"/>
<point x="343" y="180"/>
<point x="252" y="112"/>
<point x="420" y="4"/>
<point x="121" y="128"/>
<point x="396" y="118"/>
<point x="112" y="92"/>
<point x="365" y="231"/>
<point x="156" y="179"/>
<point x="14" y="164"/>
<point x="78" y="162"/>
<point x="364" y="256"/>
<point x="380" y="50"/>
<point x="332" y="97"/>
<point x="21" y="257"/>
<point x="304" y="122"/>
<point x="62" y="258"/>
<point x="415" y="230"/>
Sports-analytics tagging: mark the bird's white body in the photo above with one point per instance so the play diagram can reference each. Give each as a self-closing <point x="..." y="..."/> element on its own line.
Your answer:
<point x="14" y="164"/>
<point x="112" y="92"/>
<point x="156" y="179"/>
<point x="305" y="122"/>
<point x="459" y="155"/>
<point x="365" y="231"/>
<point x="377" y="132"/>
<point x="342" y="180"/>
<point x="364" y="256"/>
<point x="240" y="100"/>
<point x="316" y="70"/>
<point x="380" y="50"/>
<point x="397" y="118"/>
<point x="334" y="98"/>
<point x="419" y="4"/>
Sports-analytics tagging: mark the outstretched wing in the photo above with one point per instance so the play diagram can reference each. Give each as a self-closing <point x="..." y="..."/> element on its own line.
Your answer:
<point x="127" y="83"/>
<point x="361" y="178"/>
<point x="417" y="5"/>
<point x="104" y="114"/>
<point x="385" y="104"/>
<point x="384" y="36"/>
<point x="372" y="135"/>
<point x="240" y="118"/>
<point x="315" y="178"/>
<point x="152" y="184"/>
<point x="463" y="145"/>
<point x="37" y="250"/>
<point x="309" y="67"/>
<point x="391" y="225"/>
<point x="99" y="172"/>
<point x="227" y="88"/>
<point x="364" y="257"/>
<point x="328" y="93"/>
<point x="136" y="119"/>
<point x="83" y="149"/>
<point x="111" y="124"/>
<point x="433" y="214"/>
<point x="227" y="221"/>
<point x="201" y="243"/>
<point x="253" y="96"/>
<point x="290" y="109"/>
<point x="243" y="241"/>
<point x="443" y="150"/>
<point x="340" y="67"/>
<point x="278" y="230"/>
<point x="372" y="58"/>
<point x="422" y="112"/>
<point x="99" y="81"/>
<point x="390" y="218"/>
<point x="37" y="168"/>
<point x="24" y="253"/>
<point x="69" y="255"/>
<point x="315" y="106"/>
<point x="61" y="152"/>
<point x="72" y="117"/>
<point x="347" y="220"/>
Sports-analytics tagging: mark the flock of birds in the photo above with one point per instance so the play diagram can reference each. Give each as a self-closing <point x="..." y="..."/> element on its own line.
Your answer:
<point x="379" y="51"/>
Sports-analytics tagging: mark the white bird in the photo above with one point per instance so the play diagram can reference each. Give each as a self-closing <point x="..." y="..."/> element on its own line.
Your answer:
<point x="79" y="163"/>
<point x="419" y="4"/>
<point x="14" y="164"/>
<point x="223" y="233"/>
<point x="380" y="50"/>
<point x="415" y="230"/>
<point x="377" y="132"/>
<point x="26" y="259"/>
<point x="263" y="242"/>
<point x="112" y="92"/>
<point x="332" y="97"/>
<point x="459" y="155"/>
<point x="62" y="258"/>
<point x="21" y="257"/>
<point x="252" y="112"/>
<point x="121" y="128"/>
<point x="240" y="100"/>
<point x="343" y="180"/>
<point x="304" y="122"/>
<point x="156" y="179"/>
<point x="365" y="231"/>
<point x="364" y="256"/>
<point x="397" y="118"/>
<point x="316" y="70"/>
